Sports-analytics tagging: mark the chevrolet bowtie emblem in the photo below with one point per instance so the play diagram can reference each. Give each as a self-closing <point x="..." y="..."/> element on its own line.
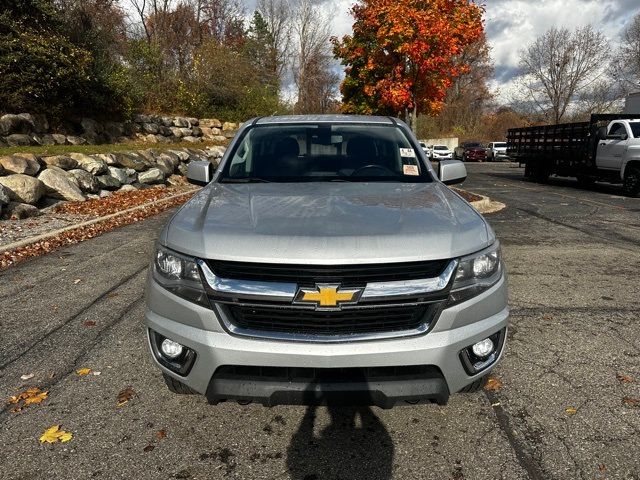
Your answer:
<point x="327" y="296"/>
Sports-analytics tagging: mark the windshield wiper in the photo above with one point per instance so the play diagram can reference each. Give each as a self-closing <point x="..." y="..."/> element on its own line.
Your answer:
<point x="246" y="180"/>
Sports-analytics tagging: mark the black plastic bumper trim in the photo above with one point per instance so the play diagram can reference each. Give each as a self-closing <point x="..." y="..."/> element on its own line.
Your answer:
<point x="384" y="392"/>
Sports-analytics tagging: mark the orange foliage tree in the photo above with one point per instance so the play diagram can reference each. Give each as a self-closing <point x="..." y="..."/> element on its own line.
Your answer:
<point x="402" y="56"/>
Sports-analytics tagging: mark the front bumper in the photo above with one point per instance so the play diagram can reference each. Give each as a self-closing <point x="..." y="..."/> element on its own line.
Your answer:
<point x="199" y="329"/>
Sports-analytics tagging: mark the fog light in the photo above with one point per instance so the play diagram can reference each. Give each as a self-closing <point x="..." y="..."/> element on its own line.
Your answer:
<point x="171" y="349"/>
<point x="482" y="349"/>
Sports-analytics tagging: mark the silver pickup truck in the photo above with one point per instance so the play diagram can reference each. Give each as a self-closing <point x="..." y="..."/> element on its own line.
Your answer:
<point x="325" y="261"/>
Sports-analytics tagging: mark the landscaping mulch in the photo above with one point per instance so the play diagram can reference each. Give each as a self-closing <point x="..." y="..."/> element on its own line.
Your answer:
<point x="70" y="213"/>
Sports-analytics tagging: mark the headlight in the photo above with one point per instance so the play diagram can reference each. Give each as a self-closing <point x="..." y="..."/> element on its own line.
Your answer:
<point x="180" y="275"/>
<point x="476" y="273"/>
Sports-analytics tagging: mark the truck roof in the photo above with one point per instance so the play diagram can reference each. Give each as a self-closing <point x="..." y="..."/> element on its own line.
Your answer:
<point x="335" y="118"/>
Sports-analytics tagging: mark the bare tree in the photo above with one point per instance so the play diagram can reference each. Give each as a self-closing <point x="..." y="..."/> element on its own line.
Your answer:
<point x="312" y="63"/>
<point x="561" y="65"/>
<point x="277" y="15"/>
<point x="627" y="69"/>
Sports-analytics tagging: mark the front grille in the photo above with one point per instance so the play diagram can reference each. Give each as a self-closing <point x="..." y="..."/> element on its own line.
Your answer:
<point x="344" y="322"/>
<point x="311" y="274"/>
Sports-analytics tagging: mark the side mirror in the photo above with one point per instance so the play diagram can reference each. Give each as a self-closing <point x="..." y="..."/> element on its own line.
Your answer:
<point x="200" y="173"/>
<point x="602" y="133"/>
<point x="451" y="172"/>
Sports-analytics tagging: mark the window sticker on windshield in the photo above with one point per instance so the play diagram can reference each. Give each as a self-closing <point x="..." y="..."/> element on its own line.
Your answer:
<point x="410" y="170"/>
<point x="407" y="153"/>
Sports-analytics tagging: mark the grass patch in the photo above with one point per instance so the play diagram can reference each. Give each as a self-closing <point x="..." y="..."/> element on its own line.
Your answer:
<point x="105" y="148"/>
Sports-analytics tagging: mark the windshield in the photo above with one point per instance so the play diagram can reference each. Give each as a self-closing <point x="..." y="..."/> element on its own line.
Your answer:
<point x="500" y="145"/>
<point x="472" y="145"/>
<point x="440" y="147"/>
<point x="324" y="152"/>
<point x="635" y="128"/>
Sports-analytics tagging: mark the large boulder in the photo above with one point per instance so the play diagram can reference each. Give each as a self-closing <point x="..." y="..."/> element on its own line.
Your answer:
<point x="210" y="123"/>
<point x="19" y="140"/>
<point x="46" y="139"/>
<point x="61" y="161"/>
<point x="216" y="151"/>
<point x="86" y="181"/>
<point x="123" y="175"/>
<point x="191" y="139"/>
<point x="229" y="126"/>
<point x="23" y="188"/>
<point x="108" y="158"/>
<point x="113" y="130"/>
<point x="150" y="128"/>
<point x="35" y="164"/>
<point x="107" y="182"/>
<point x="60" y="184"/>
<point x="181" y="154"/>
<point x="73" y="140"/>
<point x="131" y="160"/>
<point x="19" y="211"/>
<point x="90" y="163"/>
<point x="40" y="122"/>
<point x="196" y="131"/>
<point x="151" y="176"/>
<point x="176" y="132"/>
<point x="14" y="164"/>
<point x="4" y="196"/>
<point x="89" y="125"/>
<point x="181" y="122"/>
<point x="165" y="165"/>
<point x="59" y="138"/>
<point x="11" y="124"/>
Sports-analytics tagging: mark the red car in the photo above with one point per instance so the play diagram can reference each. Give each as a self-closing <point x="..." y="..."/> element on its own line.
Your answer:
<point x="471" y="152"/>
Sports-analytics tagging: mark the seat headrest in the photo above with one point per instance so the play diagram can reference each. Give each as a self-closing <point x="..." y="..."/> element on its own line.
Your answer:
<point x="287" y="146"/>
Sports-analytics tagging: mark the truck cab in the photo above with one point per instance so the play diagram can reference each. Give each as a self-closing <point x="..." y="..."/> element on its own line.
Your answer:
<point x="619" y="146"/>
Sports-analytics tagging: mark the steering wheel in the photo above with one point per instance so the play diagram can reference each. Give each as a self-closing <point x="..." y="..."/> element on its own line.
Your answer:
<point x="382" y="171"/>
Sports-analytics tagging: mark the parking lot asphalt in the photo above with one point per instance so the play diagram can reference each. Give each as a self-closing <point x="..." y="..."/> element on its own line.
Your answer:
<point x="565" y="405"/>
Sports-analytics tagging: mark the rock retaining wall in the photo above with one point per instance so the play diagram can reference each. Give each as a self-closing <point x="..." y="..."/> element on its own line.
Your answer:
<point x="31" y="182"/>
<point x="27" y="129"/>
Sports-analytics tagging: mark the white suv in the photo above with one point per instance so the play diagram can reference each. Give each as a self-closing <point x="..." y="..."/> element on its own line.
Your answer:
<point x="441" y="152"/>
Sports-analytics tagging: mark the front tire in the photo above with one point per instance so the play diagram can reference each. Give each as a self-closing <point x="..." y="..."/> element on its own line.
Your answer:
<point x="631" y="184"/>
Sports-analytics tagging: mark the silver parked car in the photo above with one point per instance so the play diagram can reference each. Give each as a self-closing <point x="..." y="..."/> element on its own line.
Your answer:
<point x="325" y="261"/>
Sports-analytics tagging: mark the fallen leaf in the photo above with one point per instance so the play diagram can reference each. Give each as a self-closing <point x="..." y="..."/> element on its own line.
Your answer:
<point x="37" y="398"/>
<point x="28" y="397"/>
<point x="96" y="374"/>
<point x="76" y="281"/>
<point x="602" y="468"/>
<point x="28" y="376"/>
<point x="571" y="410"/>
<point x="632" y="402"/>
<point x="622" y="378"/>
<point x="83" y="371"/>
<point x="148" y="448"/>
<point x="493" y="384"/>
<point x="54" y="434"/>
<point x="125" y="395"/>
<point x="112" y="294"/>
<point x="89" y="323"/>
<point x="547" y="317"/>
<point x="160" y="434"/>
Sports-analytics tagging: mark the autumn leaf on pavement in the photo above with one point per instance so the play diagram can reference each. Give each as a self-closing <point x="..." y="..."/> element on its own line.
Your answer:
<point x="54" y="434"/>
<point x="28" y="397"/>
<point x="160" y="434"/>
<point x="571" y="410"/>
<point x="27" y="376"/>
<point x="622" y="378"/>
<point x="632" y="402"/>
<point x="83" y="371"/>
<point x="493" y="384"/>
<point x="125" y="395"/>
<point x="89" y="323"/>
<point x="547" y="317"/>
<point x="148" y="448"/>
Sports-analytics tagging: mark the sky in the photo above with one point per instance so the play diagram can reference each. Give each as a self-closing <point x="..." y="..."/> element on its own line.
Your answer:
<point x="512" y="24"/>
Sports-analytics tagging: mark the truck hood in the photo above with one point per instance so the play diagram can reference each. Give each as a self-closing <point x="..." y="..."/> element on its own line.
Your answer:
<point x="327" y="223"/>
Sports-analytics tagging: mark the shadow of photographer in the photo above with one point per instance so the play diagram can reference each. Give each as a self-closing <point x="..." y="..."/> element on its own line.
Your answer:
<point x="355" y="445"/>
